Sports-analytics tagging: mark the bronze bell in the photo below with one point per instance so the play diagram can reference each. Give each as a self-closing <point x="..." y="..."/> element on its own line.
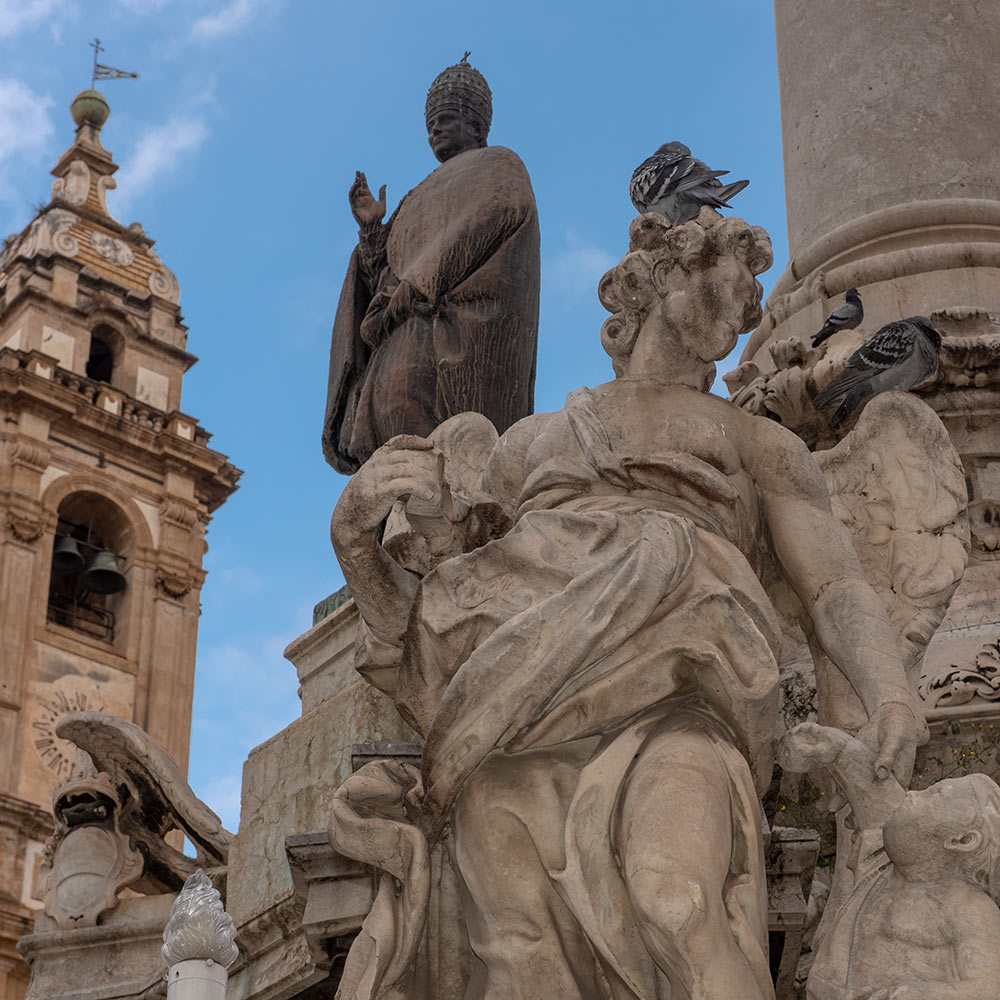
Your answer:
<point x="66" y="556"/>
<point x="102" y="576"/>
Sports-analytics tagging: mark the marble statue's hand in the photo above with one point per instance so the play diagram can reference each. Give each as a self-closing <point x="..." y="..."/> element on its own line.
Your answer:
<point x="893" y="732"/>
<point x="366" y="210"/>
<point x="404" y="466"/>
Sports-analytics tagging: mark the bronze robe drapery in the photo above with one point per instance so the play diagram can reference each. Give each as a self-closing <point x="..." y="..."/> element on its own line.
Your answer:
<point x="466" y="242"/>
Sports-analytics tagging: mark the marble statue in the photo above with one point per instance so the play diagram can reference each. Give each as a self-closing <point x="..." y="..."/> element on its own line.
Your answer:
<point x="439" y="310"/>
<point x="921" y="918"/>
<point x="586" y="646"/>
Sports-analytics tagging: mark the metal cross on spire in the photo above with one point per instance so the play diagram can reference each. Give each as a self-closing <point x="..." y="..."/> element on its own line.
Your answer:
<point x="102" y="72"/>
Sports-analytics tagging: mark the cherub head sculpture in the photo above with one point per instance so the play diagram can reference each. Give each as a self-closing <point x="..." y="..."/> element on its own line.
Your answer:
<point x="695" y="282"/>
<point x="951" y="828"/>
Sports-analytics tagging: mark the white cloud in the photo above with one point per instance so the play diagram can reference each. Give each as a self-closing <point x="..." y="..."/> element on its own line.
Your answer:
<point x="577" y="267"/>
<point x="20" y="15"/>
<point x="25" y="125"/>
<point x="231" y="18"/>
<point x="160" y="149"/>
<point x="25" y="131"/>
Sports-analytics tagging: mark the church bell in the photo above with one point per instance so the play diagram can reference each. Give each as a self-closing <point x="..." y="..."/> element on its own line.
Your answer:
<point x="66" y="556"/>
<point x="102" y="576"/>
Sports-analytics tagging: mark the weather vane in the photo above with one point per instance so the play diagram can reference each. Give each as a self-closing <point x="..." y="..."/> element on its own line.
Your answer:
<point x="102" y="72"/>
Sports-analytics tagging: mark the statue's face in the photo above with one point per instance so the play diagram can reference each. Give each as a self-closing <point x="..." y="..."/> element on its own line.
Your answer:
<point x="927" y="823"/>
<point x="730" y="304"/>
<point x="450" y="134"/>
<point x="715" y="297"/>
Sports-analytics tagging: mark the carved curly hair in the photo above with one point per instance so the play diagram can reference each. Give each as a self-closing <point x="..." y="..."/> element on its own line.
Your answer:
<point x="655" y="250"/>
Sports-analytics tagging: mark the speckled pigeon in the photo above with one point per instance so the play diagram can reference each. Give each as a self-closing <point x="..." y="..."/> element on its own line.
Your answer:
<point x="845" y="317"/>
<point x="901" y="355"/>
<point x="675" y="184"/>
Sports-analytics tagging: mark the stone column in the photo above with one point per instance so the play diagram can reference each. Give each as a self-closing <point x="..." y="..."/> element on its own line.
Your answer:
<point x="198" y="943"/>
<point x="890" y="112"/>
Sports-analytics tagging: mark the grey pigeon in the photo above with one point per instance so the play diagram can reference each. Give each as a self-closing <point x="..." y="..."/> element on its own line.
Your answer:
<point x="901" y="355"/>
<point x="675" y="184"/>
<point x="845" y="317"/>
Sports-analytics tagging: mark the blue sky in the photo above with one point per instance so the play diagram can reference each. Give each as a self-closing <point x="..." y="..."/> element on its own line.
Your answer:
<point x="238" y="144"/>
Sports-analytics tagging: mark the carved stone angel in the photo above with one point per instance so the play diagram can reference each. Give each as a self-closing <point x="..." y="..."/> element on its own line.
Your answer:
<point x="597" y="685"/>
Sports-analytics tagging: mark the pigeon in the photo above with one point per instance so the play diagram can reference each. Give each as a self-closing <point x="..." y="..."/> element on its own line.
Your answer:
<point x="901" y="355"/>
<point x="675" y="184"/>
<point x="845" y="317"/>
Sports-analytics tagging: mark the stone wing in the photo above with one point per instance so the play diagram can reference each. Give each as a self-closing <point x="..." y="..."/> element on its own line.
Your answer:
<point x="897" y="484"/>
<point x="158" y="798"/>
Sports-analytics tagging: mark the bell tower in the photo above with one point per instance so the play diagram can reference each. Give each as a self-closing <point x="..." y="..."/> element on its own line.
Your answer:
<point x="106" y="490"/>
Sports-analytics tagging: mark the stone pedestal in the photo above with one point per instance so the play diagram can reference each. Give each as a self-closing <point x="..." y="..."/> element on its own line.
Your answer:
<point x="120" y="958"/>
<point x="288" y="784"/>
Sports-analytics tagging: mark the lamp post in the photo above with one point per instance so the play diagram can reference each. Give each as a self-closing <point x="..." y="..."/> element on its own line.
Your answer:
<point x="198" y="943"/>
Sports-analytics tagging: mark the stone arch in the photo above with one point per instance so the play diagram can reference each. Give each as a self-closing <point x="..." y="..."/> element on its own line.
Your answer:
<point x="109" y="330"/>
<point x="99" y="517"/>
<point x="62" y="487"/>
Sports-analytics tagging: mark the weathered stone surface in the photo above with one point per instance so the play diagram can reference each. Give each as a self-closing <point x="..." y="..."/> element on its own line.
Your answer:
<point x="871" y="126"/>
<point x="93" y="445"/>
<point x="288" y="787"/>
<point x="119" y="958"/>
<point x="913" y="912"/>
<point x="583" y="659"/>
<point x="323" y="657"/>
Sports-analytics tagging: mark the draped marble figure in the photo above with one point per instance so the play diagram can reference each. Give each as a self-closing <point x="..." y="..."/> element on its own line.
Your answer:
<point x="575" y="618"/>
<point x="439" y="310"/>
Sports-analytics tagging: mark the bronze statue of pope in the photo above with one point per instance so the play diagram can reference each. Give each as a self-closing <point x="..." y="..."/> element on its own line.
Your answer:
<point x="439" y="310"/>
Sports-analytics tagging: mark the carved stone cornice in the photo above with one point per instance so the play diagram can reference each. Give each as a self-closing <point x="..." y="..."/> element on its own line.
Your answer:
<point x="957" y="685"/>
<point x="66" y="396"/>
<point x="31" y="453"/>
<point x="178" y="512"/>
<point x="29" y="819"/>
<point x="784" y="389"/>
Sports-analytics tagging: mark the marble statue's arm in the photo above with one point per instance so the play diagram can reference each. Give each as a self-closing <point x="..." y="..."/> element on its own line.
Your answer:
<point x="818" y="561"/>
<point x="852" y="765"/>
<point x="383" y="590"/>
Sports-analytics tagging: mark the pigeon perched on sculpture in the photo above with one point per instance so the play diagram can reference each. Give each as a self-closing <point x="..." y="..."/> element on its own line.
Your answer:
<point x="902" y="355"/>
<point x="845" y="317"/>
<point x="676" y="185"/>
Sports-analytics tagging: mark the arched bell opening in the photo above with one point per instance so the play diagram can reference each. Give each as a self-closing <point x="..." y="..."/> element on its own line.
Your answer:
<point x="105" y="344"/>
<point x="91" y="558"/>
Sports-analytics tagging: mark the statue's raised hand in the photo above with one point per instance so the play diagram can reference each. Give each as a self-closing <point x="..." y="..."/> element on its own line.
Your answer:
<point x="366" y="210"/>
